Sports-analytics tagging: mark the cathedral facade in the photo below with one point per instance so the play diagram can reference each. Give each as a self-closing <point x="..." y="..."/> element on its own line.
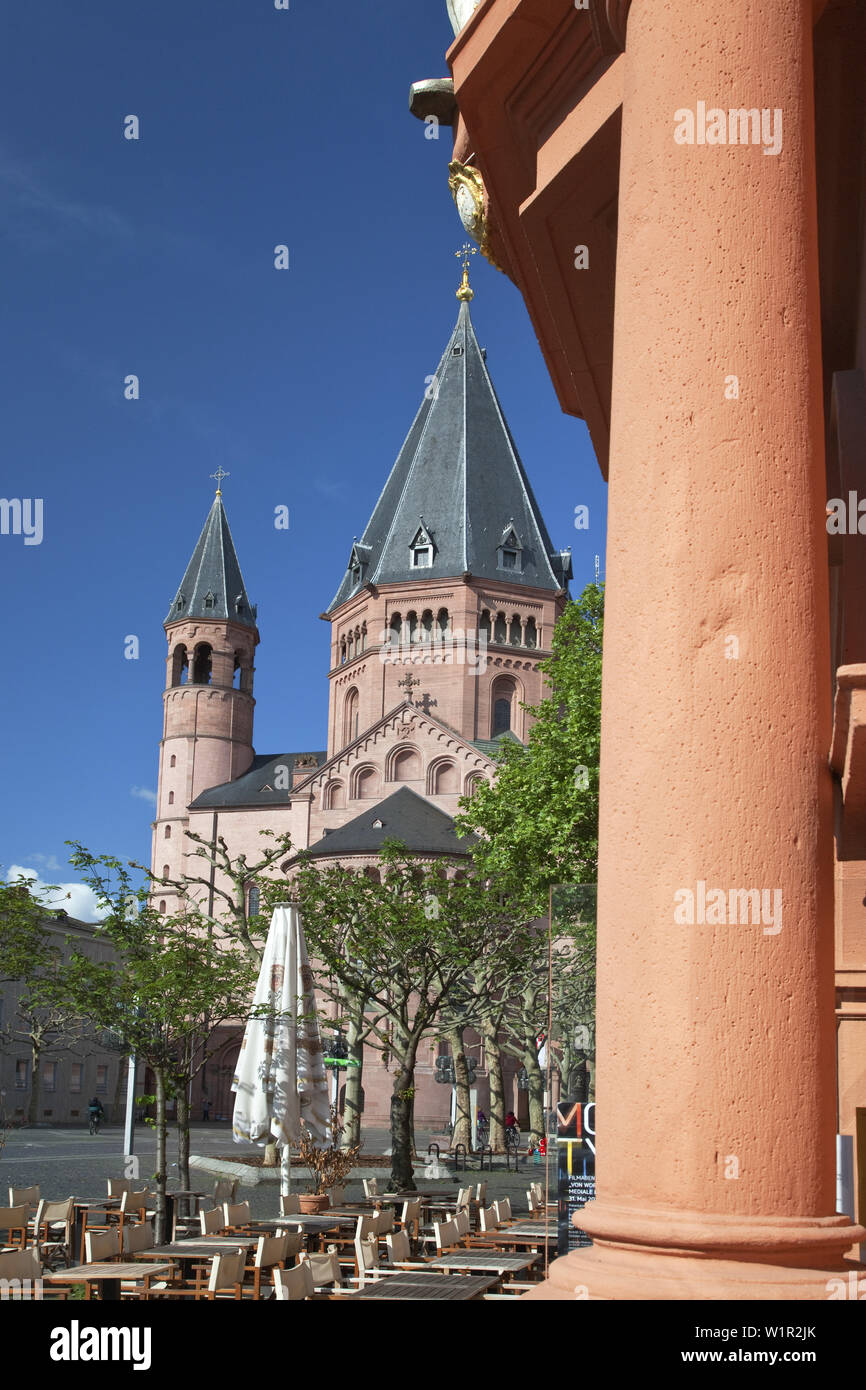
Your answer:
<point x="438" y="627"/>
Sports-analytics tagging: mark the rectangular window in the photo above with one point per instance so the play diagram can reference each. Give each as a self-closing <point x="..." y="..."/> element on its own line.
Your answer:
<point x="101" y="1079"/>
<point x="49" y="1076"/>
<point x="75" y="1077"/>
<point x="509" y="559"/>
<point x="22" y="1072"/>
<point x="422" y="558"/>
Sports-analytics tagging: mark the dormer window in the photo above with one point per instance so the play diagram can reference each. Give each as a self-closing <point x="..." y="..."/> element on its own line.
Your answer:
<point x="239" y="603"/>
<point x="422" y="549"/>
<point x="209" y="599"/>
<point x="509" y="555"/>
<point x="179" y="602"/>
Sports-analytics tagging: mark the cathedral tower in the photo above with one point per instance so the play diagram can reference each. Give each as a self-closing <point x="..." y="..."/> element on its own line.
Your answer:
<point x="452" y="591"/>
<point x="208" y="699"/>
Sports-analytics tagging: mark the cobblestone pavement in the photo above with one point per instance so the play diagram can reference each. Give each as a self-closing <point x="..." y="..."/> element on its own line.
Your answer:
<point x="70" y="1161"/>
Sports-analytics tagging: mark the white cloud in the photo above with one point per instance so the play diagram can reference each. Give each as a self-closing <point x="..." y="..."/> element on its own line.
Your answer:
<point x="144" y="794"/>
<point x="75" y="898"/>
<point x="47" y="861"/>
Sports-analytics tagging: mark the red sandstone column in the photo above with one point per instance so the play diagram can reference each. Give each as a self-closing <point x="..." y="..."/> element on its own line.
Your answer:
<point x="716" y="1064"/>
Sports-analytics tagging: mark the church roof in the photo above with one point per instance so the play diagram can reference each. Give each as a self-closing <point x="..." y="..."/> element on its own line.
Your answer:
<point x="404" y="816"/>
<point x="458" y="487"/>
<point x="213" y="586"/>
<point x="261" y="785"/>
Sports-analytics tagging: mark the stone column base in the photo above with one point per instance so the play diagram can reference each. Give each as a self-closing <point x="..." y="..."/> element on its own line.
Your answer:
<point x="680" y="1255"/>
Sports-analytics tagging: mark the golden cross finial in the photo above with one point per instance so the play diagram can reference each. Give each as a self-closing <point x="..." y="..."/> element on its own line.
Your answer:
<point x="219" y="475"/>
<point x="466" y="292"/>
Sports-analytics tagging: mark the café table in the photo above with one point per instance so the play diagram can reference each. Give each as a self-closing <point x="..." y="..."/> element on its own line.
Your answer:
<point x="487" y="1261"/>
<point x="417" y="1287"/>
<point x="106" y="1276"/>
<point x="313" y="1227"/>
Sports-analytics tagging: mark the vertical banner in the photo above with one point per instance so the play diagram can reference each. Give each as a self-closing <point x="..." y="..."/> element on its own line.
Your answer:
<point x="575" y="1144"/>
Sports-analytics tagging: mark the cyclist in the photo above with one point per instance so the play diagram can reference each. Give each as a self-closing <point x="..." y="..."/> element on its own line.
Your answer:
<point x="512" y="1132"/>
<point x="97" y="1114"/>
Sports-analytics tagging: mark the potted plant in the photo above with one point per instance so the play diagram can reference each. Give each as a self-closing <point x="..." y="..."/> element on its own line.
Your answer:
<point x="327" y="1165"/>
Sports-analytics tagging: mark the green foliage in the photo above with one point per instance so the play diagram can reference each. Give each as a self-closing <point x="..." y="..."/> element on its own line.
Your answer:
<point x="538" y="822"/>
<point x="172" y="982"/>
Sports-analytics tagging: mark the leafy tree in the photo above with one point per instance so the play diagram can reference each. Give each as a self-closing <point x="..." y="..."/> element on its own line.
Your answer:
<point x="402" y="940"/>
<point x="538" y="822"/>
<point x="537" y="827"/>
<point x="172" y="985"/>
<point x="32" y="957"/>
<point x="221" y="892"/>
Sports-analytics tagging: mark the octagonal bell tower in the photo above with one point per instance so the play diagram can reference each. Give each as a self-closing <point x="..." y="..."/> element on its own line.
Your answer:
<point x="208" y="700"/>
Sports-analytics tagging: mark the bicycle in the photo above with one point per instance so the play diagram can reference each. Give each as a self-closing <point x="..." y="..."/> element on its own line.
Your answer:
<point x="95" y="1119"/>
<point x="482" y="1135"/>
<point x="512" y="1138"/>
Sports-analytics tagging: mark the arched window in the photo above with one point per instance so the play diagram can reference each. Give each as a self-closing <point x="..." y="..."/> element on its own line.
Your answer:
<point x="162" y="905"/>
<point x="367" y="784"/>
<point x="531" y="634"/>
<point x="343" y="652"/>
<point x="165" y="870"/>
<point x="364" y="637"/>
<point x="406" y="766"/>
<point x="179" y="665"/>
<point x="236" y="676"/>
<point x="167" y="835"/>
<point x="484" y="625"/>
<point x="473" y="782"/>
<point x="201" y="669"/>
<point x="335" y="796"/>
<point x="515" y="635"/>
<point x="350" y="646"/>
<point x="500" y="631"/>
<point x="171" y="798"/>
<point x="396" y="626"/>
<point x="442" y="623"/>
<point x="412" y="626"/>
<point x="426" y="625"/>
<point x="503" y="696"/>
<point x="350" y="716"/>
<point x="445" y="779"/>
<point x="254" y="900"/>
<point x="172" y="761"/>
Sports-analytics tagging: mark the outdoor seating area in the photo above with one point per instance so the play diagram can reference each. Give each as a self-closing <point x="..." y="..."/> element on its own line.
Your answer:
<point x="396" y="1246"/>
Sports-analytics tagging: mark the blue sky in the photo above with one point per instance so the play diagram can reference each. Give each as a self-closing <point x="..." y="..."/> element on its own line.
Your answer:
<point x="258" y="127"/>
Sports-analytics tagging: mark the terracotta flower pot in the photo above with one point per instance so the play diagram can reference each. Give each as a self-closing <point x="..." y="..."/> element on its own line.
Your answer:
<point x="312" y="1203"/>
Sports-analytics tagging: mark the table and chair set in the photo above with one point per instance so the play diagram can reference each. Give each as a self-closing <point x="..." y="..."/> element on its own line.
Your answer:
<point x="393" y="1246"/>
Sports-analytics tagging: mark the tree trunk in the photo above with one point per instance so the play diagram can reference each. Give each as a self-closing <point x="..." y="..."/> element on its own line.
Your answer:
<point x="493" y="1057"/>
<point x="463" y="1105"/>
<point x="35" y="1081"/>
<point x="536" y="1092"/>
<point x="183" y="1135"/>
<point x="354" y="1084"/>
<point x="401" y="1123"/>
<point x="161" y="1142"/>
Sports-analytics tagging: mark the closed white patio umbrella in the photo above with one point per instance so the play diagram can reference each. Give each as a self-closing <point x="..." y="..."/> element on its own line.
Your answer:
<point x="280" y="1078"/>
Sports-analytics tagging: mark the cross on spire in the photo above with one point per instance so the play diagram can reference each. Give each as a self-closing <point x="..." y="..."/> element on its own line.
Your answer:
<point x="219" y="475"/>
<point x="465" y="291"/>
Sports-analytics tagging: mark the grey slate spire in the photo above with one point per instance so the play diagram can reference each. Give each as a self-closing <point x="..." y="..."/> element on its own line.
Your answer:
<point x="213" y="586"/>
<point x="457" y="500"/>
